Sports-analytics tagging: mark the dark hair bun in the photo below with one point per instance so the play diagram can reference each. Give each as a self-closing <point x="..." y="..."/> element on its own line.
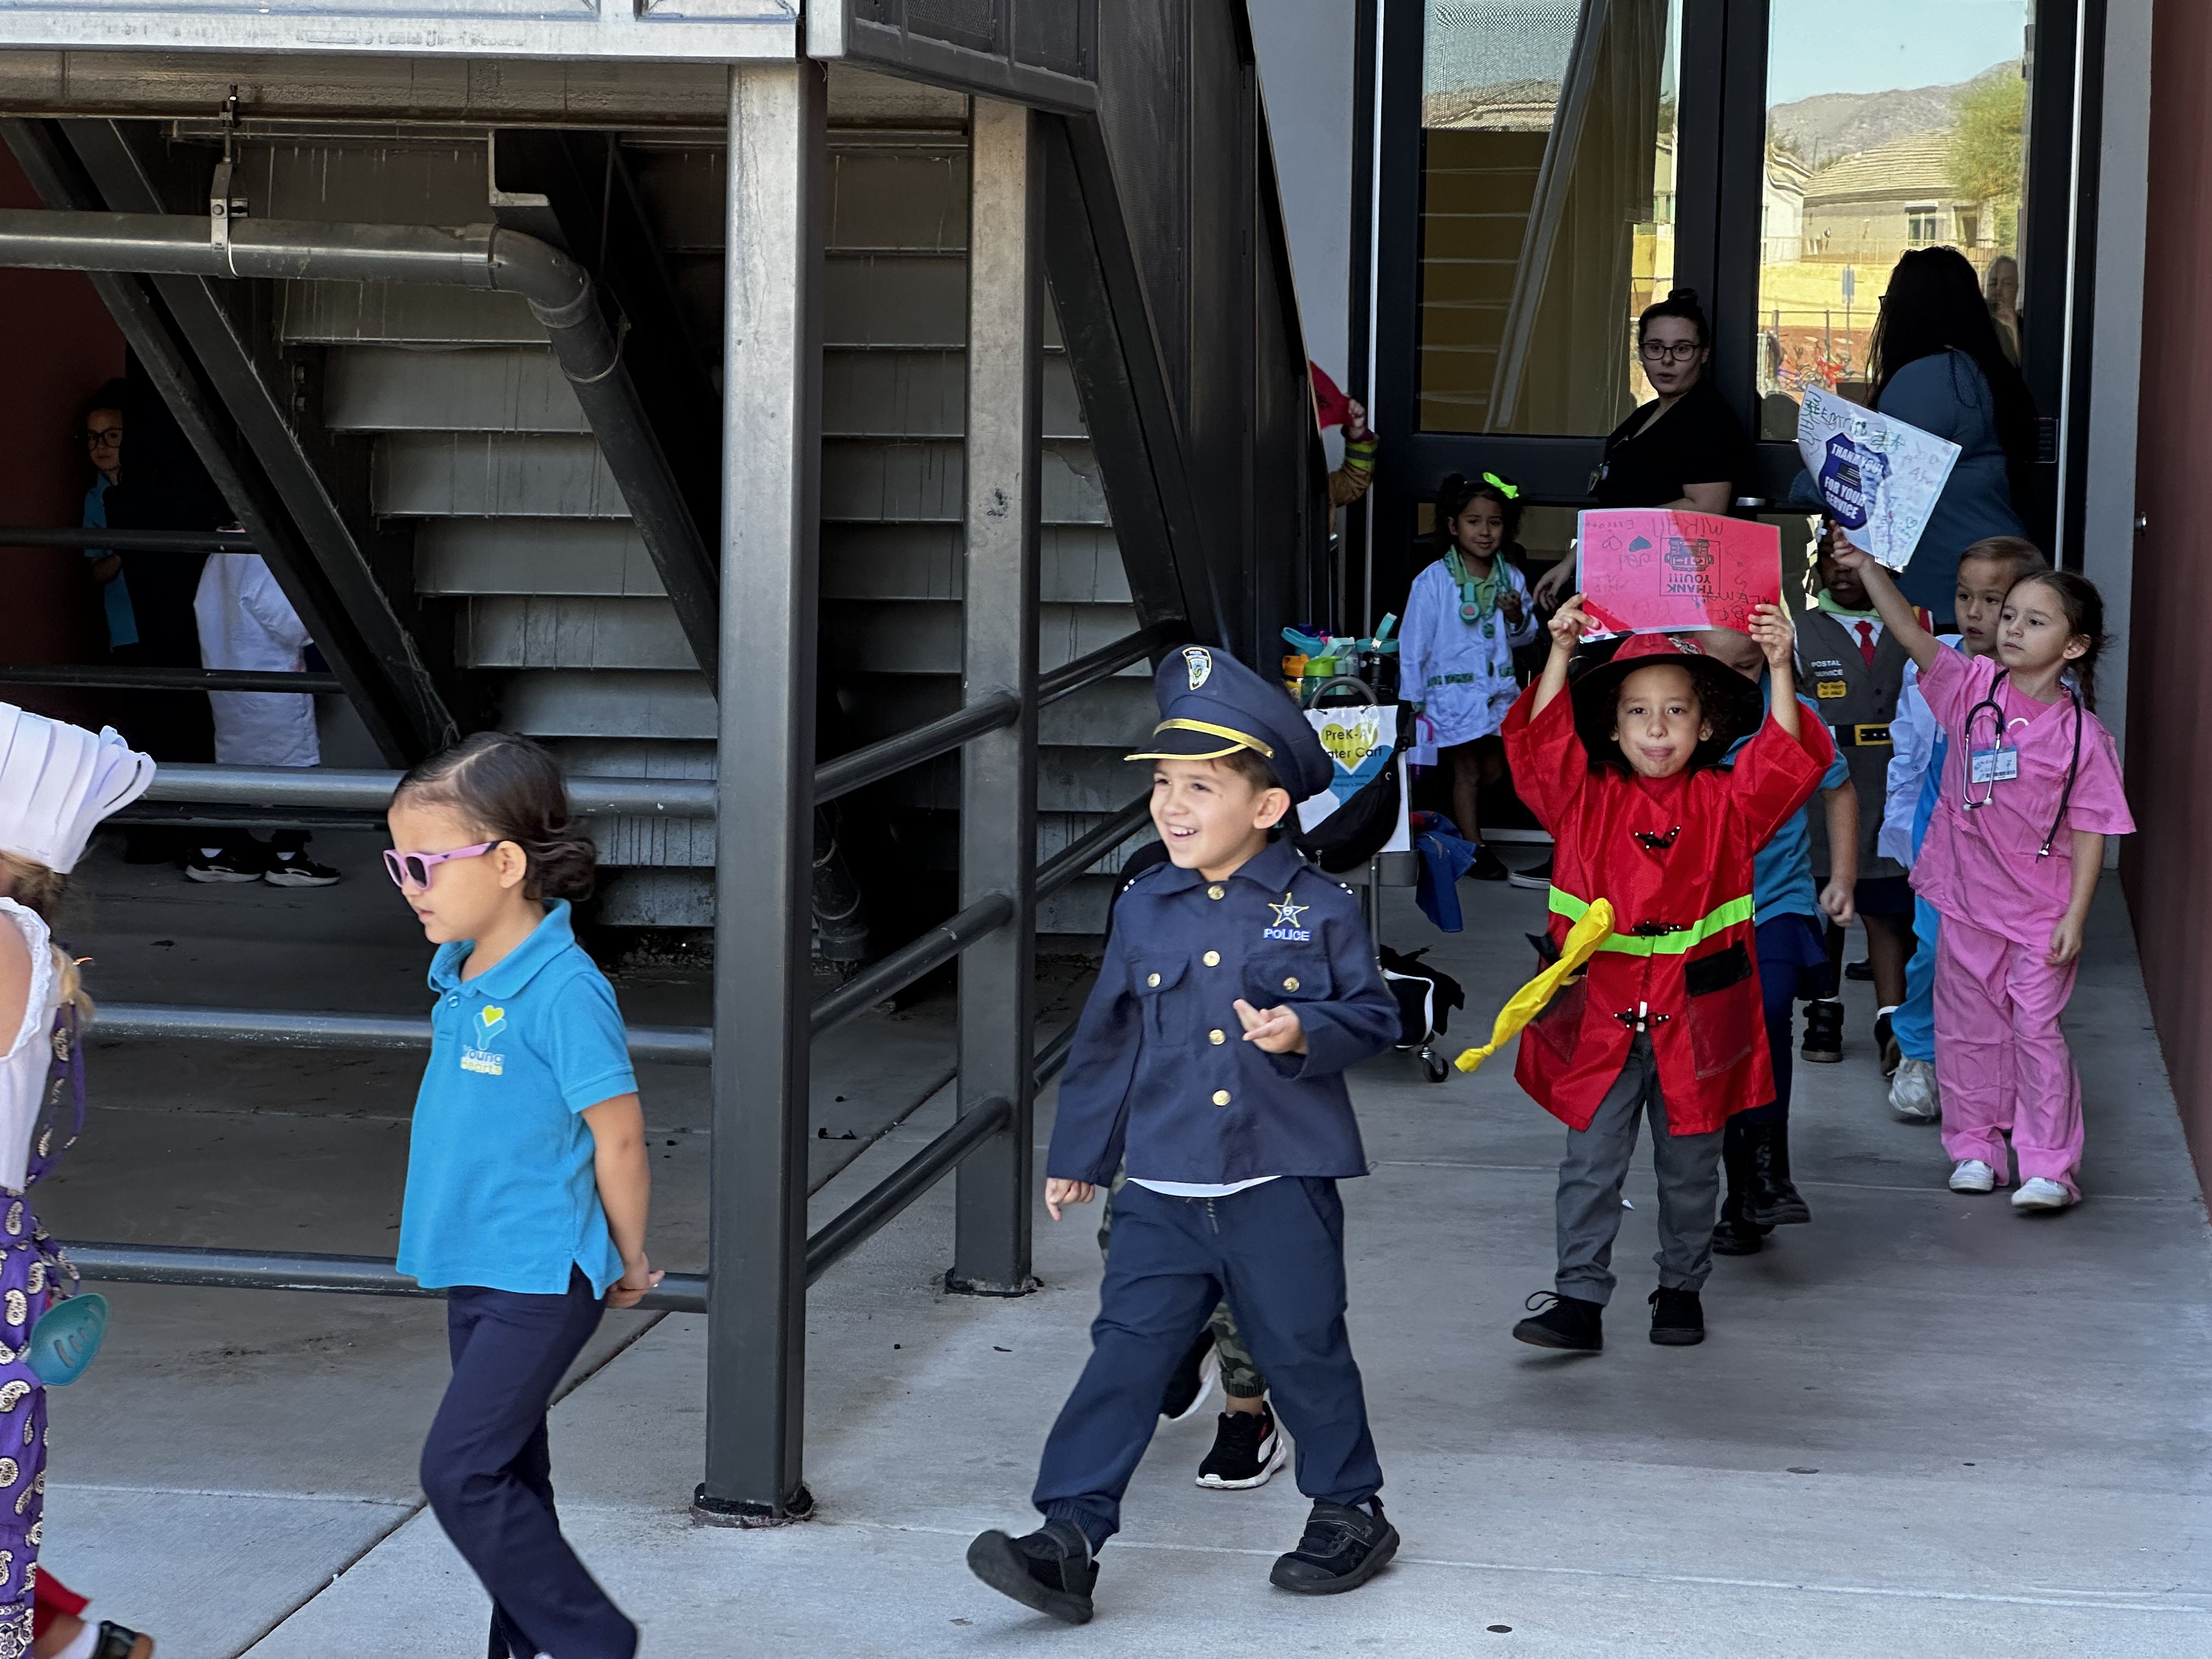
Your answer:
<point x="513" y="789"/>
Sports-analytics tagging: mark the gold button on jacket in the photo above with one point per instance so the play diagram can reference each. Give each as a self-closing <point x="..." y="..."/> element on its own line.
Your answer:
<point x="1217" y="1037"/>
<point x="1290" y="984"/>
<point x="1216" y="890"/>
<point x="1152" y="979"/>
<point x="1211" y="958"/>
<point x="1221" y="1096"/>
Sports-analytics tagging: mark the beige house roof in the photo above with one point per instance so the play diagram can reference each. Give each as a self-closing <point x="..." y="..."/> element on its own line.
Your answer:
<point x="1916" y="167"/>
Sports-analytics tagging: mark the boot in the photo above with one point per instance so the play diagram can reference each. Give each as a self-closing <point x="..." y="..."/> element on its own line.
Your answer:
<point x="1824" y="1032"/>
<point x="1770" y="1200"/>
<point x="1733" y="1236"/>
<point x="1565" y="1321"/>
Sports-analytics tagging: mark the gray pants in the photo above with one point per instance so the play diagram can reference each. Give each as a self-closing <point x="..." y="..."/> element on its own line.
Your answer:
<point x="1597" y="1160"/>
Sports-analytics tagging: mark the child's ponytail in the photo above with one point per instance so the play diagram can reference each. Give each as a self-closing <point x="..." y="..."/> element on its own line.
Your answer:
<point x="514" y="790"/>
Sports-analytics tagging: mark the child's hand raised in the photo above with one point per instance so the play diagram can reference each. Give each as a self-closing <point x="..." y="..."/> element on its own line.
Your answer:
<point x="1057" y="1192"/>
<point x="1278" y="1030"/>
<point x="1568" y="624"/>
<point x="1845" y="554"/>
<point x="1771" y="632"/>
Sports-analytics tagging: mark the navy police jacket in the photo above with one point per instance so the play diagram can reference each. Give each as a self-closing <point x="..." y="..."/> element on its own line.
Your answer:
<point x="1160" y="1072"/>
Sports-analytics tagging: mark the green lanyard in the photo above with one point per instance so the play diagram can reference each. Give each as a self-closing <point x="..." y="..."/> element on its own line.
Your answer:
<point x="1478" y="600"/>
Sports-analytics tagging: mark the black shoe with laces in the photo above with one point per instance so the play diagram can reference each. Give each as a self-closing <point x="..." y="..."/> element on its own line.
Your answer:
<point x="1247" y="1448"/>
<point x="298" y="870"/>
<point x="1192" y="1380"/>
<point x="1487" y="866"/>
<point x="1771" y="1199"/>
<point x="1049" y="1570"/>
<point x="1824" y="1032"/>
<point x="1340" y="1549"/>
<point x="1678" y="1318"/>
<point x="1536" y="875"/>
<point x="221" y="866"/>
<point x="1862" y="970"/>
<point x="1563" y="1321"/>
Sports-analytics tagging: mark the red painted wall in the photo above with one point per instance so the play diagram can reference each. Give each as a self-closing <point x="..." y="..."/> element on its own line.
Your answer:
<point x="2167" y="865"/>
<point x="58" y="344"/>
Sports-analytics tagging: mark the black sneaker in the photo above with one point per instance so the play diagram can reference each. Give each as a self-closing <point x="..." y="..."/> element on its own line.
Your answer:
<point x="1050" y="1570"/>
<point x="1487" y="866"/>
<point x="1563" y="1321"/>
<point x="298" y="870"/>
<point x="1678" y="1318"/>
<point x="1247" y="1448"/>
<point x="1192" y="1380"/>
<point x="1537" y="877"/>
<point x="1861" y="971"/>
<point x="1824" y="1032"/>
<point x="223" y="864"/>
<point x="1340" y="1549"/>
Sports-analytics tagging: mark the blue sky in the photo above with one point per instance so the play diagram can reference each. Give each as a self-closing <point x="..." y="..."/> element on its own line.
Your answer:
<point x="1870" y="45"/>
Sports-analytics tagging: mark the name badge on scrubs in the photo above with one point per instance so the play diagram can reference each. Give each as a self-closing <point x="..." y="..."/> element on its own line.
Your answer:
<point x="1995" y="765"/>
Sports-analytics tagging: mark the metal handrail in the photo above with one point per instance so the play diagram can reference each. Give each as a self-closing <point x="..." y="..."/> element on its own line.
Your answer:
<point x="1053" y="1054"/>
<point x="918" y="743"/>
<point x="910" y="962"/>
<point x="1107" y="659"/>
<point x="675" y="1045"/>
<point x="127" y="541"/>
<point x="589" y="796"/>
<point x="860" y="1221"/>
<point x="1073" y="859"/>
<point x="109" y="678"/>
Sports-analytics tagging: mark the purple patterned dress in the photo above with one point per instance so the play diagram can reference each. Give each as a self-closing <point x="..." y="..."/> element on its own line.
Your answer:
<point x="31" y="1266"/>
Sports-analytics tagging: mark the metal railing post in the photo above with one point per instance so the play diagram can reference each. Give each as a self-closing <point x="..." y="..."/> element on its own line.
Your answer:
<point x="997" y="773"/>
<point x="764" y="798"/>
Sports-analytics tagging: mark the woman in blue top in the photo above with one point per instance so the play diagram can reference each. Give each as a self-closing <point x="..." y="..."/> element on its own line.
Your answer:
<point x="1937" y="365"/>
<point x="527" y="1181"/>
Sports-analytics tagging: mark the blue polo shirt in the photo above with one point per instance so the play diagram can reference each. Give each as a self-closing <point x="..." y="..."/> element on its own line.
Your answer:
<point x="501" y="1190"/>
<point x="1782" y="870"/>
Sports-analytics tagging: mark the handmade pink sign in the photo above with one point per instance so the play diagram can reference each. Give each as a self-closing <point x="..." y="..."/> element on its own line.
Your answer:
<point x="1650" y="570"/>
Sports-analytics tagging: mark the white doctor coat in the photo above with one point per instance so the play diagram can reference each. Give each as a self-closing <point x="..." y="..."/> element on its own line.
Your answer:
<point x="245" y="622"/>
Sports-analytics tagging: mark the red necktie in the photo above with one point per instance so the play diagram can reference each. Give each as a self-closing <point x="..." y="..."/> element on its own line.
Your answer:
<point x="1866" y="641"/>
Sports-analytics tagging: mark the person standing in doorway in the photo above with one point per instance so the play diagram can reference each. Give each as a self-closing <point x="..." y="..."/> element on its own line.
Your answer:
<point x="103" y="443"/>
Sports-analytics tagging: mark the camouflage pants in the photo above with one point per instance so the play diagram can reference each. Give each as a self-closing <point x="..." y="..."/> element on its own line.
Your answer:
<point x="1240" y="1377"/>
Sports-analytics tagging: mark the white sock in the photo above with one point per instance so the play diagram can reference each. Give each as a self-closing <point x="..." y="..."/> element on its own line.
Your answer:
<point x="87" y="1638"/>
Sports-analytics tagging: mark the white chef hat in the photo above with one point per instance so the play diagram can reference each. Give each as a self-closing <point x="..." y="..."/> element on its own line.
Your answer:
<point x="57" y="781"/>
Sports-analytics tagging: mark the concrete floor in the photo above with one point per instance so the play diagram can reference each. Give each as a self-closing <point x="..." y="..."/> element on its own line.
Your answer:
<point x="1924" y="1425"/>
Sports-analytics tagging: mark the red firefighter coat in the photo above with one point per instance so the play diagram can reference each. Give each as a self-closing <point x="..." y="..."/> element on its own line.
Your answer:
<point x="1674" y="856"/>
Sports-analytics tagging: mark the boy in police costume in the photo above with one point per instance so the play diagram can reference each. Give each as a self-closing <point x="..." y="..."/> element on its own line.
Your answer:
<point x="1238" y="984"/>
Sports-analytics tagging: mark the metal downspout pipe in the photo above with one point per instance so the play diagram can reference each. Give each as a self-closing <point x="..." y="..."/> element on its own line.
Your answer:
<point x="559" y="291"/>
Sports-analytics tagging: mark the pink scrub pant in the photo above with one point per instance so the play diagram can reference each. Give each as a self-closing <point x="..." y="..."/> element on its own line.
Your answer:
<point x="2002" y="1063"/>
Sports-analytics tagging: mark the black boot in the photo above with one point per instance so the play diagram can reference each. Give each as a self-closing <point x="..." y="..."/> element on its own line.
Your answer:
<point x="1678" y="1318"/>
<point x="1050" y="1570"/>
<point x="1770" y="1200"/>
<point x="1340" y="1549"/>
<point x="1824" y="1032"/>
<point x="1567" y="1322"/>
<point x="1733" y="1236"/>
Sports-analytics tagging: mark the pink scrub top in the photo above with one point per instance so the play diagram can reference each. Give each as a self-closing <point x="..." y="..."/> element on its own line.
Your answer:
<point x="1980" y="865"/>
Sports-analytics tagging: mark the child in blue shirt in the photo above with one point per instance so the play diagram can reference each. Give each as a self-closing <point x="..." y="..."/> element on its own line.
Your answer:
<point x="527" y="1180"/>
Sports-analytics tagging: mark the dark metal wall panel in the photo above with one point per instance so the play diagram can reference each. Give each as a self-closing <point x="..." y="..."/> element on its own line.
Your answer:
<point x="1039" y="52"/>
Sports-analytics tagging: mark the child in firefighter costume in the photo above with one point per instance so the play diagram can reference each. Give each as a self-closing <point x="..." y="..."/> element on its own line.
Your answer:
<point x="57" y="783"/>
<point x="1667" y="1022"/>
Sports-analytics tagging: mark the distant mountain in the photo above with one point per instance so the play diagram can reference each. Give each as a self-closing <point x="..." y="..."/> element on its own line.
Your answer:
<point x="1819" y="129"/>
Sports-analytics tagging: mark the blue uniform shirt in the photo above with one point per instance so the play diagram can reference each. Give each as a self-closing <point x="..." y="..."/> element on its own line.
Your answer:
<point x="501" y="1190"/>
<point x="1782" y="870"/>
<point x="1160" y="1072"/>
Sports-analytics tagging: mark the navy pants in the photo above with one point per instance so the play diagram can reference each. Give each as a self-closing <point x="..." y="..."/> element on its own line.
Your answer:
<point x="489" y="1475"/>
<point x="1275" y="1253"/>
<point x="1793" y="958"/>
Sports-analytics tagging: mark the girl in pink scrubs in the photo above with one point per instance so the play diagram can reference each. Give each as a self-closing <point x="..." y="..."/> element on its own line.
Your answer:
<point x="2030" y="788"/>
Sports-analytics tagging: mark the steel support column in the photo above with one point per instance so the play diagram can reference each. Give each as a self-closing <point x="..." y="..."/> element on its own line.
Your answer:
<point x="998" y="772"/>
<point x="764" y="824"/>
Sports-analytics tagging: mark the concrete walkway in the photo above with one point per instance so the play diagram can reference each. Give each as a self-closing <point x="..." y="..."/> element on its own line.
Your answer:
<point x="1924" y="1425"/>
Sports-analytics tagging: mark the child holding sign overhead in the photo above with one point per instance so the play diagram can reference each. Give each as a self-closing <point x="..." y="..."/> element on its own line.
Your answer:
<point x="1666" y="1022"/>
<point x="1466" y="614"/>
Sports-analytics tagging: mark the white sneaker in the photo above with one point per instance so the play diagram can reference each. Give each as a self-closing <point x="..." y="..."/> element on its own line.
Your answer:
<point x="2040" y="1193"/>
<point x="1972" y="1175"/>
<point x="1912" y="1093"/>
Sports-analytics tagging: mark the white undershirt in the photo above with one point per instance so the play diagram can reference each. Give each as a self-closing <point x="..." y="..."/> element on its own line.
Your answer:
<point x="1200" y="1188"/>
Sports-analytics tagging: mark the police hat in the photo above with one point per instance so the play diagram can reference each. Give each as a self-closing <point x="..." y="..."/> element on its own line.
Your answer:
<point x="1212" y="705"/>
<point x="1730" y="701"/>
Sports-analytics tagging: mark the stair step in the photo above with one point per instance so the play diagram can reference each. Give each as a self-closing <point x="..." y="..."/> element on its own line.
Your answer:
<point x="492" y="474"/>
<point x="597" y="556"/>
<point x="913" y="481"/>
<point x="909" y="636"/>
<point x="551" y="631"/>
<point x="375" y="388"/>
<point x="574" y="703"/>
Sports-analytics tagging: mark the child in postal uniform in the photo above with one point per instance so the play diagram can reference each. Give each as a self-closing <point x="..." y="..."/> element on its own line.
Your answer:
<point x="1239" y="983"/>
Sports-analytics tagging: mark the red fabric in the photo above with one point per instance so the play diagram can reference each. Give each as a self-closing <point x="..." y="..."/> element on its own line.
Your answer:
<point x="1331" y="407"/>
<point x="1711" y="1049"/>
<point x="53" y="1600"/>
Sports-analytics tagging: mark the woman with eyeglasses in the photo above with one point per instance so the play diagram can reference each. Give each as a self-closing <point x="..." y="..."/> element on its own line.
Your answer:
<point x="1681" y="450"/>
<point x="103" y="446"/>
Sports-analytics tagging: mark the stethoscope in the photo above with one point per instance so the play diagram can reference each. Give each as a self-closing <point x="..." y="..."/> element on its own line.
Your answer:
<point x="1997" y="742"/>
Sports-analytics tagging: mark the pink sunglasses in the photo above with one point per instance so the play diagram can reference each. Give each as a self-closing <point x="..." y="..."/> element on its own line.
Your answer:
<point x="413" y="869"/>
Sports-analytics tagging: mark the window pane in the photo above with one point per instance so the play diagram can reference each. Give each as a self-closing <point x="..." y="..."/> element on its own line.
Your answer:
<point x="1866" y="158"/>
<point x="1546" y="209"/>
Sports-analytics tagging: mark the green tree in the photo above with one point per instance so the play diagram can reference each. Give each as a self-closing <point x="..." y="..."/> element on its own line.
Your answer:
<point x="1985" y="146"/>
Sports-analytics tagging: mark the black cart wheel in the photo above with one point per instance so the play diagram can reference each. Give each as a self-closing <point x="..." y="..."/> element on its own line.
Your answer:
<point x="1435" y="1065"/>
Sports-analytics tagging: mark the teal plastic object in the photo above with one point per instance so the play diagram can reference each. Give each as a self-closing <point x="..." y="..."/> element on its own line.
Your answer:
<point x="65" y="1339"/>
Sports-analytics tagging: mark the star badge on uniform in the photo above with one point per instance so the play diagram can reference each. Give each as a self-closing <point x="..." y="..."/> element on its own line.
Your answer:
<point x="1287" y="914"/>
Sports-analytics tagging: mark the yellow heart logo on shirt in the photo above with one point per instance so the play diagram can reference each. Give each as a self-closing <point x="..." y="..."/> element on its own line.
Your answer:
<point x="493" y="1018"/>
<point x="1348" y="745"/>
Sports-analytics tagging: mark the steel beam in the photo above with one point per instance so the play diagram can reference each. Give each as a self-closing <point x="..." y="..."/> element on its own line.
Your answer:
<point x="764" y="821"/>
<point x="998" y="614"/>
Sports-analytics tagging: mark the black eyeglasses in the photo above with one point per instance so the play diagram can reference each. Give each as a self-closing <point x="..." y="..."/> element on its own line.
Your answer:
<point x="1659" y="351"/>
<point x="99" y="439"/>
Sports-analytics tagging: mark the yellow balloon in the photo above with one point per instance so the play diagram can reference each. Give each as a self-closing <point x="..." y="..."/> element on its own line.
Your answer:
<point x="1525" y="1004"/>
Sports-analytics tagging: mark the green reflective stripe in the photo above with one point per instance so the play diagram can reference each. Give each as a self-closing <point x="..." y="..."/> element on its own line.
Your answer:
<point x="1660" y="945"/>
